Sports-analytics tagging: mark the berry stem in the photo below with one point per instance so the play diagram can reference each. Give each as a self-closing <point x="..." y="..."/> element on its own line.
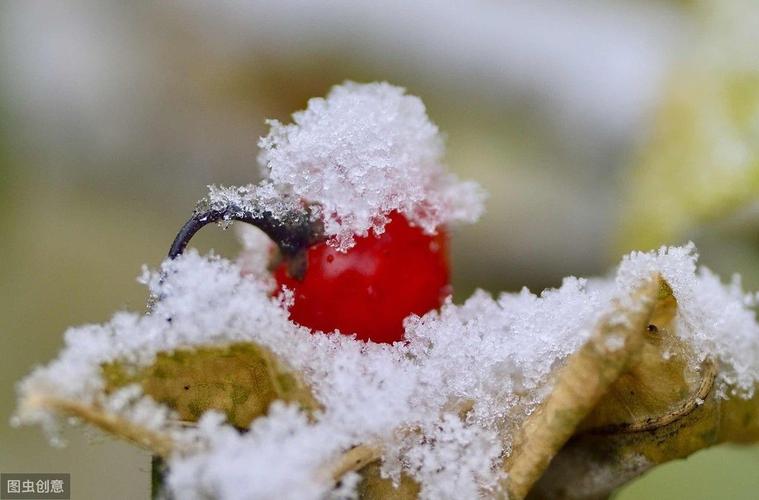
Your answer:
<point x="292" y="232"/>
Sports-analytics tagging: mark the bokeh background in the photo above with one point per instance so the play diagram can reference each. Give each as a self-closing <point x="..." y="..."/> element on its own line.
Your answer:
<point x="597" y="127"/>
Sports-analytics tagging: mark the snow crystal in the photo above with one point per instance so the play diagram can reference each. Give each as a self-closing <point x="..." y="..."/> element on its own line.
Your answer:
<point x="269" y="461"/>
<point x="455" y="457"/>
<point x="355" y="156"/>
<point x="445" y="404"/>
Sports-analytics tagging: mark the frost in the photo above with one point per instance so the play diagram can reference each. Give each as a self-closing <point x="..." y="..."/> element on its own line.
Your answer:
<point x="464" y="381"/>
<point x="358" y="154"/>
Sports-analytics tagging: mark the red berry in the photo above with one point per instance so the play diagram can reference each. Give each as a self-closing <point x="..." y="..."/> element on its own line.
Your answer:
<point x="372" y="287"/>
<point x="368" y="290"/>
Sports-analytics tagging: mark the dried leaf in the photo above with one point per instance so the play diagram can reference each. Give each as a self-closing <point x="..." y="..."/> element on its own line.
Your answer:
<point x="240" y="380"/>
<point x="657" y="386"/>
<point x="578" y="387"/>
<point x="157" y="442"/>
<point x="374" y="487"/>
<point x="659" y="410"/>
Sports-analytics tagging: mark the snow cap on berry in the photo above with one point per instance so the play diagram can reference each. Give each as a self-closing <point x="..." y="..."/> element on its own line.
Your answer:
<point x="362" y="152"/>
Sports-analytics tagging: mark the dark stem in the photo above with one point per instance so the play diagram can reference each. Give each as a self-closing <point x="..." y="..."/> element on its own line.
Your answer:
<point x="292" y="233"/>
<point x="157" y="475"/>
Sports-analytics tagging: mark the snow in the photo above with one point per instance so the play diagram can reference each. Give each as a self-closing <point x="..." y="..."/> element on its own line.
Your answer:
<point x="456" y="459"/>
<point x="358" y="154"/>
<point x="255" y="199"/>
<point x="496" y="354"/>
<point x="266" y="462"/>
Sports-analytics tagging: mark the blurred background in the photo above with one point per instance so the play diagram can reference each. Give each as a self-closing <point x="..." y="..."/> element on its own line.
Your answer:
<point x="597" y="126"/>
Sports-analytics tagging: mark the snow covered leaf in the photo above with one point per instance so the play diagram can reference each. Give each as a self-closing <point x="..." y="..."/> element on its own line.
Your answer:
<point x="579" y="386"/>
<point x="662" y="408"/>
<point x="240" y="380"/>
<point x="663" y="383"/>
